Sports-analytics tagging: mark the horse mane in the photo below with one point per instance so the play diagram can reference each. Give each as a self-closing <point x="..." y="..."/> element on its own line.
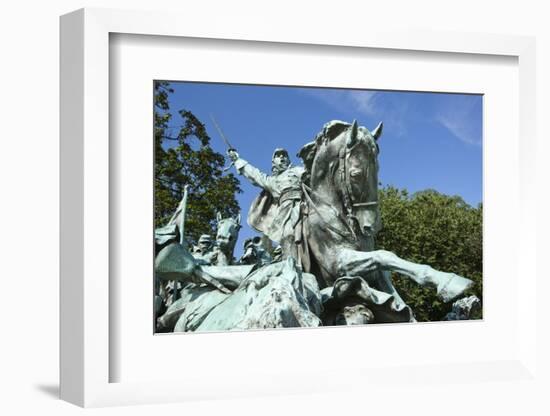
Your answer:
<point x="330" y="131"/>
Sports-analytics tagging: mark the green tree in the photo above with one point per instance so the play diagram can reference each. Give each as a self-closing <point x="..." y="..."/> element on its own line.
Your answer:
<point x="183" y="156"/>
<point x="435" y="229"/>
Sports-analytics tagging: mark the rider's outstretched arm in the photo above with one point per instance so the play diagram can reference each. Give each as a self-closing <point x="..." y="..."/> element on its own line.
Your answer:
<point x="253" y="174"/>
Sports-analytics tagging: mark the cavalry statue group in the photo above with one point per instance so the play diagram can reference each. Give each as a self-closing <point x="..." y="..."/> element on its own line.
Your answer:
<point x="324" y="216"/>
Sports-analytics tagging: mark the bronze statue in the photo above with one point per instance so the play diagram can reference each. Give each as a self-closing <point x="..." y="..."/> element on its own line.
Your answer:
<point x="276" y="211"/>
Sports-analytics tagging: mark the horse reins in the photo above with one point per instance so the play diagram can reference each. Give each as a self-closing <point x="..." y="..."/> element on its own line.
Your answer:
<point x="341" y="233"/>
<point x="345" y="181"/>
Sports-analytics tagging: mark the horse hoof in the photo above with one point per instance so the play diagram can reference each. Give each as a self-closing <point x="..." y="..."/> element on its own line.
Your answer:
<point x="453" y="287"/>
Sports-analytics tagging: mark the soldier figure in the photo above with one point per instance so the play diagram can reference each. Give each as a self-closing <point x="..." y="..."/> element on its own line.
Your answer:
<point x="204" y="251"/>
<point x="276" y="211"/>
<point x="255" y="252"/>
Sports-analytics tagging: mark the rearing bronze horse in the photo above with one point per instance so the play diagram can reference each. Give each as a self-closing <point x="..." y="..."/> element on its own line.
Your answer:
<point x="342" y="215"/>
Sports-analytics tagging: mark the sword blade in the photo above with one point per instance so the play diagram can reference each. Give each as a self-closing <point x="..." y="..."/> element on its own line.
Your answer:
<point x="220" y="132"/>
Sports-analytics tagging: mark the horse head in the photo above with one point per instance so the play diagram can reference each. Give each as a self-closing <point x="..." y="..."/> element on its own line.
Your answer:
<point x="343" y="167"/>
<point x="227" y="233"/>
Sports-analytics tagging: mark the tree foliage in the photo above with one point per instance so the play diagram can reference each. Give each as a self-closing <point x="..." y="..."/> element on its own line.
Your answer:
<point x="435" y="229"/>
<point x="183" y="156"/>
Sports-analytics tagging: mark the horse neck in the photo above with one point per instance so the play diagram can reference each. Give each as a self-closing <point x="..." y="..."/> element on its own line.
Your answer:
<point x="325" y="195"/>
<point x="228" y="249"/>
<point x="326" y="192"/>
<point x="225" y="257"/>
<point x="329" y="204"/>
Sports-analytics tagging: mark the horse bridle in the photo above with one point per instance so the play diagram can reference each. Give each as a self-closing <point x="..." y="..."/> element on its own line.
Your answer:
<point x="349" y="205"/>
<point x="345" y="180"/>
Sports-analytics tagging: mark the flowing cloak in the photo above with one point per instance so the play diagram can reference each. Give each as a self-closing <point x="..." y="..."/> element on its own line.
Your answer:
<point x="262" y="212"/>
<point x="266" y="214"/>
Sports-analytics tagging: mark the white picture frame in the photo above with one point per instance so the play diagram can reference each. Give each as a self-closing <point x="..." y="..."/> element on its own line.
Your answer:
<point x="86" y="353"/>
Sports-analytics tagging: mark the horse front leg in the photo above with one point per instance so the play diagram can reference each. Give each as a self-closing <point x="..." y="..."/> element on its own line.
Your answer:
<point x="361" y="263"/>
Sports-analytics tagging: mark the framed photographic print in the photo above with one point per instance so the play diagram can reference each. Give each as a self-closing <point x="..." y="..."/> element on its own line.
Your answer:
<point x="163" y="125"/>
<point x="315" y="244"/>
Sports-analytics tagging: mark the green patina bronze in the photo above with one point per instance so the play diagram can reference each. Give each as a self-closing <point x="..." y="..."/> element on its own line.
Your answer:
<point x="325" y="216"/>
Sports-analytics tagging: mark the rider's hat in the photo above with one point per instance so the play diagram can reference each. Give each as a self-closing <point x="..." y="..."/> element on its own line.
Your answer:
<point x="205" y="238"/>
<point x="279" y="151"/>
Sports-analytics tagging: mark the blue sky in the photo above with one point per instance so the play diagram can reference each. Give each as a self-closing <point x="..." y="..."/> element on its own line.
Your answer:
<point x="430" y="140"/>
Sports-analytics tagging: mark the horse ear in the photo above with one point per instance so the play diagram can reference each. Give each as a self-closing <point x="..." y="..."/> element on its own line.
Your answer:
<point x="239" y="218"/>
<point x="352" y="137"/>
<point x="377" y="132"/>
<point x="218" y="216"/>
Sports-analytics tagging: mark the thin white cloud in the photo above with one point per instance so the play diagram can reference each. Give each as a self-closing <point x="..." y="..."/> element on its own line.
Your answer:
<point x="459" y="114"/>
<point x="368" y="103"/>
<point x="457" y="128"/>
<point x="346" y="101"/>
<point x="460" y="117"/>
<point x="364" y="101"/>
<point x="333" y="98"/>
